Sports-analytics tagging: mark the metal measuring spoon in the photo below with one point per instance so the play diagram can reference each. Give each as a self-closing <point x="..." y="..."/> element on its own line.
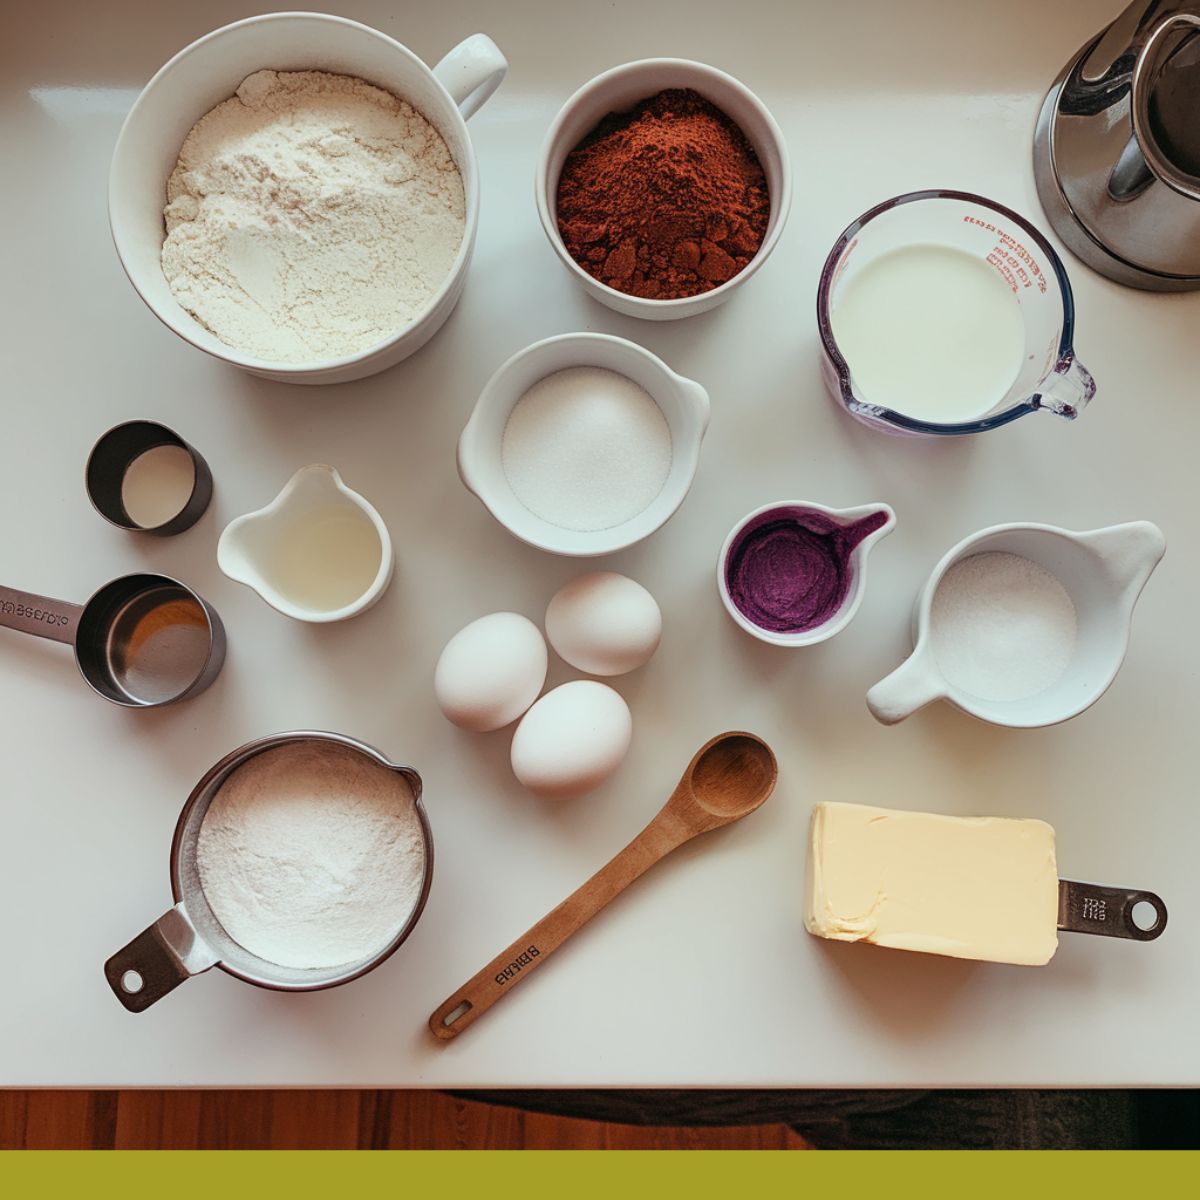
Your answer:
<point x="140" y="641"/>
<point x="728" y="778"/>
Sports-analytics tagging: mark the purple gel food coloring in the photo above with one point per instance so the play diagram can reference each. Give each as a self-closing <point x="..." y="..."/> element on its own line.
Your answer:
<point x="789" y="570"/>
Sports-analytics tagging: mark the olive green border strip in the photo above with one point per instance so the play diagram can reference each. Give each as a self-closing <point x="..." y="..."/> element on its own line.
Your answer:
<point x="615" y="1175"/>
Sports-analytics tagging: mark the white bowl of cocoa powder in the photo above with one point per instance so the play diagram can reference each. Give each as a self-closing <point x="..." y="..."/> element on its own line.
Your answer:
<point x="663" y="185"/>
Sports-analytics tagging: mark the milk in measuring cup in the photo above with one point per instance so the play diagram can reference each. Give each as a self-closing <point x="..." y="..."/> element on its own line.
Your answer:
<point x="930" y="331"/>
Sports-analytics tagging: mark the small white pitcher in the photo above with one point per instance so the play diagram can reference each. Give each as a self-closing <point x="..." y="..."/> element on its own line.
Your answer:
<point x="302" y="552"/>
<point x="1103" y="572"/>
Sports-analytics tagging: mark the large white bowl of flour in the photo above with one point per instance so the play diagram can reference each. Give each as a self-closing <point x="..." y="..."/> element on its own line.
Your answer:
<point x="209" y="72"/>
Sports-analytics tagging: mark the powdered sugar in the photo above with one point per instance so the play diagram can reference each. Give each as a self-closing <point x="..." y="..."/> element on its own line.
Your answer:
<point x="310" y="216"/>
<point x="311" y="855"/>
<point x="1003" y="627"/>
<point x="586" y="449"/>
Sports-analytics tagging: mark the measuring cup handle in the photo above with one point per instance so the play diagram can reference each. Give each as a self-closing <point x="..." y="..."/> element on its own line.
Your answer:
<point x="1067" y="390"/>
<point x="915" y="683"/>
<point x="157" y="961"/>
<point x="39" y="615"/>
<point x="1107" y="911"/>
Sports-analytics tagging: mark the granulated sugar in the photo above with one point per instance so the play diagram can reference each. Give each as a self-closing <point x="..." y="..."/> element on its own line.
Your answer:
<point x="586" y="449"/>
<point x="1003" y="627"/>
<point x="311" y="855"/>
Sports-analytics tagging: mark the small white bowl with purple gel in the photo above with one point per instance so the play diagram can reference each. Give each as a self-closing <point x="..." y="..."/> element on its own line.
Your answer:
<point x="793" y="573"/>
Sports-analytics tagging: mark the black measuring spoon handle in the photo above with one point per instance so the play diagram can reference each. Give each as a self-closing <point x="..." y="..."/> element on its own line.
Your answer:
<point x="158" y="960"/>
<point x="39" y="615"/>
<point x="1107" y="911"/>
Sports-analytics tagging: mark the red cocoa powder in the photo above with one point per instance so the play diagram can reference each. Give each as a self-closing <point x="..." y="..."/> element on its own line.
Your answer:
<point x="664" y="201"/>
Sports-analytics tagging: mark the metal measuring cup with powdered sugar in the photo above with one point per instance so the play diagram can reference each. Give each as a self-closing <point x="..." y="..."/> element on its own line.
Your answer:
<point x="319" y="904"/>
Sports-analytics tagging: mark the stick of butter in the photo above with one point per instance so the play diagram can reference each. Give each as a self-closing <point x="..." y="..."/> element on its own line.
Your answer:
<point x="968" y="887"/>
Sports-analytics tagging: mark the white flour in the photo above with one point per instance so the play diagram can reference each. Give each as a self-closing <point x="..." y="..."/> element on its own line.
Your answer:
<point x="310" y="216"/>
<point x="586" y="449"/>
<point x="311" y="855"/>
<point x="1003" y="627"/>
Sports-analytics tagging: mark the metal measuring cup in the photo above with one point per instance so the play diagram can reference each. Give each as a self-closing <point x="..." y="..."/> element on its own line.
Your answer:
<point x="115" y="453"/>
<point x="140" y="641"/>
<point x="189" y="939"/>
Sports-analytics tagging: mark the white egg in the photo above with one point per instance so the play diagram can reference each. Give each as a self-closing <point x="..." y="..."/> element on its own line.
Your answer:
<point x="604" y="623"/>
<point x="490" y="672"/>
<point x="571" y="740"/>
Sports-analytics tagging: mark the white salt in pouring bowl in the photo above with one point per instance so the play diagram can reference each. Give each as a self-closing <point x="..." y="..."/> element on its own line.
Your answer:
<point x="209" y="71"/>
<point x="189" y="939"/>
<point x="684" y="405"/>
<point x="1102" y="571"/>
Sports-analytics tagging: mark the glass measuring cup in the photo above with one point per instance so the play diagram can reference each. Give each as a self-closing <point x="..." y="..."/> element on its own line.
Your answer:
<point x="1049" y="378"/>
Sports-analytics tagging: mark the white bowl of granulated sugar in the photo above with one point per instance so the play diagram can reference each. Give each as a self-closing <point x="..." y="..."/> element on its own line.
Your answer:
<point x="297" y="195"/>
<point x="583" y="444"/>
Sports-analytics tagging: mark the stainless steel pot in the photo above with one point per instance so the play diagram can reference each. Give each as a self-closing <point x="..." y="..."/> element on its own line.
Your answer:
<point x="1117" y="149"/>
<point x="188" y="938"/>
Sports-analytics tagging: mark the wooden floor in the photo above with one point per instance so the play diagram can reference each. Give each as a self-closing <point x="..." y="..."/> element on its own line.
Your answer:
<point x="330" y="1120"/>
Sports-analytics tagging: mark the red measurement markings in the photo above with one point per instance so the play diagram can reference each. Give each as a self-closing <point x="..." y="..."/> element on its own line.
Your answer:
<point x="1012" y="258"/>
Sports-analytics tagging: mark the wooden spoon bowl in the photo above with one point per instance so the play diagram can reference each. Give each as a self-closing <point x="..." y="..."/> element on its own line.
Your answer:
<point x="730" y="776"/>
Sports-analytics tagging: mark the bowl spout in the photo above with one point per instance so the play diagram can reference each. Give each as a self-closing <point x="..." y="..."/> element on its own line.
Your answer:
<point x="1129" y="553"/>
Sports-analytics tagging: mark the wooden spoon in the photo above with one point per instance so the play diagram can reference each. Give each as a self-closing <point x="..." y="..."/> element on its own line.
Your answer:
<point x="728" y="778"/>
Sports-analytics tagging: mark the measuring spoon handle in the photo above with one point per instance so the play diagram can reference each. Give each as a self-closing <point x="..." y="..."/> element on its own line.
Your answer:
<point x="158" y="960"/>
<point x="532" y="948"/>
<point x="1107" y="911"/>
<point x="39" y="615"/>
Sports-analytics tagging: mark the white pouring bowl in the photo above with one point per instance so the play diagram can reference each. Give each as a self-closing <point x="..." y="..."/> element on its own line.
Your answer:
<point x="684" y="404"/>
<point x="619" y="89"/>
<point x="1103" y="572"/>
<point x="248" y="544"/>
<point x="209" y="71"/>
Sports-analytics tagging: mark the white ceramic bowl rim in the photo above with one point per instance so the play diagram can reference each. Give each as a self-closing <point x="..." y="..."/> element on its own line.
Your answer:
<point x="858" y="556"/>
<point x="543" y="534"/>
<point x="780" y="205"/>
<point x="468" y="170"/>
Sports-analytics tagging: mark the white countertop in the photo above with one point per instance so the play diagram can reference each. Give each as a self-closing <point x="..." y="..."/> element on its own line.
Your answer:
<point x="702" y="973"/>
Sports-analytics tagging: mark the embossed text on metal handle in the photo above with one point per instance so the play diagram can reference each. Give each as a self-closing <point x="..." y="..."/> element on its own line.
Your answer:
<point x="39" y="615"/>
<point x="1108" y="911"/>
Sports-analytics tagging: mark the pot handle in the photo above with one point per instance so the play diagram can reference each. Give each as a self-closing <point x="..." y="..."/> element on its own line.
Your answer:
<point x="158" y="960"/>
<point x="471" y="72"/>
